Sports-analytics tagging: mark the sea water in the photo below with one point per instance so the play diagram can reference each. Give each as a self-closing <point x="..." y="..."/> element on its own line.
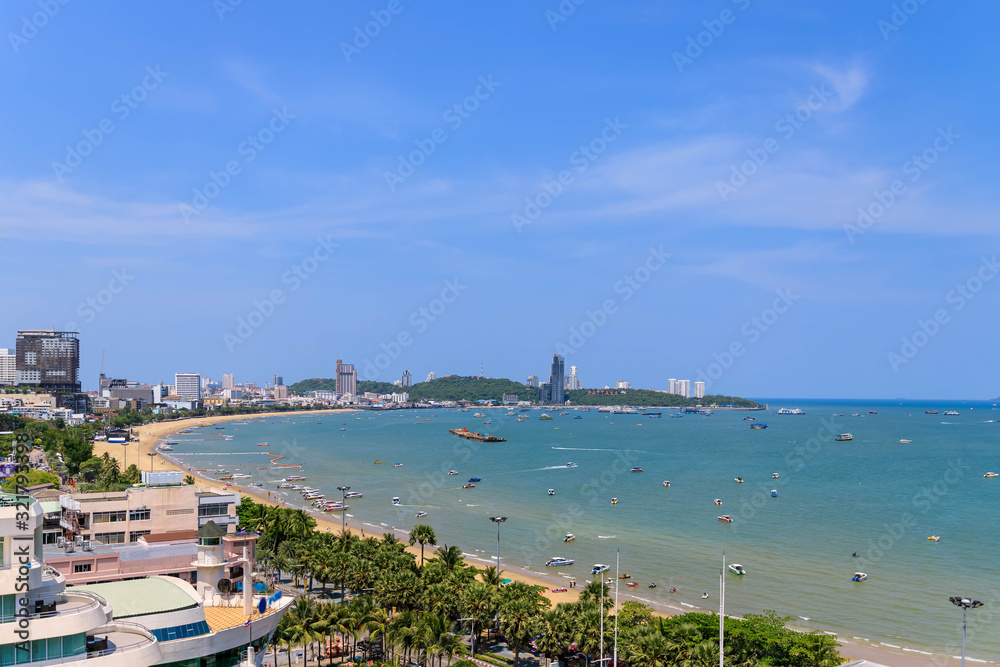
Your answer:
<point x="873" y="495"/>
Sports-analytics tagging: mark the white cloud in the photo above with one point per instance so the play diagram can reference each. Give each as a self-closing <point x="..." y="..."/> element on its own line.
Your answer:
<point x="849" y="84"/>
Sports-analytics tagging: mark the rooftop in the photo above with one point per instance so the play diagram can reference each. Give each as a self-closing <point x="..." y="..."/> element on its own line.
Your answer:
<point x="141" y="597"/>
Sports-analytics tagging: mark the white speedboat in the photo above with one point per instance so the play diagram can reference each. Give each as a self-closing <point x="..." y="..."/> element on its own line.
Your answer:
<point x="599" y="568"/>
<point x="395" y="500"/>
<point x="859" y="576"/>
<point x="552" y="492"/>
<point x="420" y="514"/>
<point x="569" y="537"/>
<point x="353" y="494"/>
<point x="558" y="561"/>
<point x="736" y="568"/>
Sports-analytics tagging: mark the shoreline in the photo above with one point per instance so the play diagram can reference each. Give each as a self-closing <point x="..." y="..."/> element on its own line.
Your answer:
<point x="151" y="435"/>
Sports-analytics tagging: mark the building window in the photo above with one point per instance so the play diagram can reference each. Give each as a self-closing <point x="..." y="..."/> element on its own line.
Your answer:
<point x="110" y="538"/>
<point x="186" y="510"/>
<point x="215" y="509"/>
<point x="136" y="534"/>
<point x="139" y="515"/>
<point x="109" y="517"/>
<point x="83" y="567"/>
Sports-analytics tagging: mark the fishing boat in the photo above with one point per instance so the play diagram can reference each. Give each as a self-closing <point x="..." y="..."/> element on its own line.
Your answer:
<point x="599" y="568"/>
<point x="758" y="426"/>
<point x="859" y="576"/>
<point x="420" y="514"/>
<point x="614" y="501"/>
<point x="475" y="479"/>
<point x="636" y="469"/>
<point x="991" y="474"/>
<point x="736" y="568"/>
<point x="718" y="501"/>
<point x="844" y="437"/>
<point x="569" y="537"/>
<point x="559" y="561"/>
<point x="468" y="486"/>
<point x="395" y="500"/>
<point x="545" y="417"/>
<point x="452" y="472"/>
<point x="726" y="518"/>
<point x="552" y="492"/>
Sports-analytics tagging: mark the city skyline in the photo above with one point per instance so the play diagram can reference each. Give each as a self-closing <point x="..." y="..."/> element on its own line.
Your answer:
<point x="640" y="188"/>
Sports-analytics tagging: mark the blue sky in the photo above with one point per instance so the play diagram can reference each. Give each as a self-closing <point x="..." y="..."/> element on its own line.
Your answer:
<point x="480" y="184"/>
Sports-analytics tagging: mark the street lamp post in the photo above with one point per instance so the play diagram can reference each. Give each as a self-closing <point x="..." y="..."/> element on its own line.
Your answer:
<point x="472" y="635"/>
<point x="498" y="520"/>
<point x="343" y="513"/>
<point x="966" y="604"/>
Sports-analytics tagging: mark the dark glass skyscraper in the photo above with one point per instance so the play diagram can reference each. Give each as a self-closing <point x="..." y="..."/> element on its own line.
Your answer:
<point x="557" y="380"/>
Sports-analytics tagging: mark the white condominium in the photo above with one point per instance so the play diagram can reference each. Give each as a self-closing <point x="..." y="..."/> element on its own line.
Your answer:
<point x="188" y="385"/>
<point x="699" y="390"/>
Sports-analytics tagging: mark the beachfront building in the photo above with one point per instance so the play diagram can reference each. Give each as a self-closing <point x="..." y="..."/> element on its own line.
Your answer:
<point x="135" y="623"/>
<point x="532" y="381"/>
<point x="49" y="359"/>
<point x="163" y="505"/>
<point x="407" y="379"/>
<point x="554" y="391"/>
<point x="699" y="390"/>
<point x="228" y="381"/>
<point x="188" y="385"/>
<point x="683" y="388"/>
<point x="8" y="366"/>
<point x="347" y="378"/>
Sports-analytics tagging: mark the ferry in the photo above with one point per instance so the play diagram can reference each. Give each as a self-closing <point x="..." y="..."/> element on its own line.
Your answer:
<point x="552" y="492"/>
<point x="468" y="486"/>
<point x="736" y="568"/>
<point x="789" y="411"/>
<point x="758" y="426"/>
<point x="569" y="537"/>
<point x="844" y="437"/>
<point x="859" y="576"/>
<point x="636" y="469"/>
<point x="726" y="518"/>
<point x="599" y="568"/>
<point x="558" y="561"/>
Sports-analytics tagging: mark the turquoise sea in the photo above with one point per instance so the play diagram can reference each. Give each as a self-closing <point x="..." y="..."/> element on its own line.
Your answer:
<point x="873" y="495"/>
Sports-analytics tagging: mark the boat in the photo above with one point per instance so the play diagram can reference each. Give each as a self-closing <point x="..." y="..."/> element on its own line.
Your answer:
<point x="633" y="584"/>
<point x="739" y="480"/>
<point x="749" y="419"/>
<point x="991" y="474"/>
<point x="599" y="568"/>
<point x="934" y="538"/>
<point x="951" y="413"/>
<point x="930" y="412"/>
<point x="397" y="465"/>
<point x="636" y="469"/>
<point x="559" y="561"/>
<point x="475" y="479"/>
<point x="736" y="568"/>
<point x="420" y="514"/>
<point x="479" y="414"/>
<point x="651" y="414"/>
<point x="336" y="508"/>
<point x="614" y="501"/>
<point x="758" y="426"/>
<point x="564" y="414"/>
<point x="488" y="422"/>
<point x="570" y="465"/>
<point x="844" y="437"/>
<point x="774" y="493"/>
<point x="468" y="486"/>
<point x="726" y="518"/>
<point x="872" y="412"/>
<point x="789" y="411"/>
<point x="354" y="494"/>
<point x="675" y="415"/>
<point x="452" y="472"/>
<point x="666" y="484"/>
<point x="166" y="448"/>
<point x="859" y="576"/>
<point x="545" y="417"/>
<point x="569" y="537"/>
<point x="774" y="475"/>
<point x="559" y="590"/>
<point x="472" y="435"/>
<point x="295" y="478"/>
<point x="552" y="492"/>
<point x="906" y="441"/>
<point x="395" y="500"/>
<point x="577" y="417"/>
<point x="855" y="414"/>
<point x="624" y="575"/>
<point x="718" y="501"/>
<point x="263" y="444"/>
<point x="519" y="420"/>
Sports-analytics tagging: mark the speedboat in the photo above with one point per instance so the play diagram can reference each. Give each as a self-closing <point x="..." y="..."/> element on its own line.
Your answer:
<point x="558" y="561"/>
<point x="577" y="417"/>
<point x="395" y="501"/>
<point x="934" y="538"/>
<point x="452" y="472"/>
<point x="599" y="568"/>
<point x="749" y="419"/>
<point x="905" y="441"/>
<point x="774" y="493"/>
<point x="468" y="486"/>
<point x="397" y="465"/>
<point x="873" y="412"/>
<point x="666" y="484"/>
<point x="774" y="475"/>
<point x="420" y="514"/>
<point x="991" y="474"/>
<point x="739" y="480"/>
<point x="951" y="413"/>
<point x="166" y="448"/>
<point x="726" y="518"/>
<point x="930" y="412"/>
<point x="736" y="568"/>
<point x="632" y="583"/>
<point x="614" y="501"/>
<point x="475" y="479"/>
<point x="263" y="444"/>
<point x="570" y="465"/>
<point x="569" y="537"/>
<point x="758" y="426"/>
<point x="625" y="575"/>
<point x="564" y="414"/>
<point x="859" y="576"/>
<point x="479" y="414"/>
<point x="552" y="492"/>
<point x="354" y="494"/>
<point x="377" y="462"/>
<point x="843" y="437"/>
<point x="718" y="501"/>
<point x="545" y="417"/>
<point x="636" y="469"/>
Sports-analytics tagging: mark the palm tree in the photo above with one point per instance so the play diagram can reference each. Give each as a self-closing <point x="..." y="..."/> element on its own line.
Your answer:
<point x="518" y="622"/>
<point x="440" y="599"/>
<point x="480" y="602"/>
<point x="423" y="534"/>
<point x="491" y="577"/>
<point x="550" y="642"/>
<point x="341" y="566"/>
<point x="377" y="624"/>
<point x="451" y="558"/>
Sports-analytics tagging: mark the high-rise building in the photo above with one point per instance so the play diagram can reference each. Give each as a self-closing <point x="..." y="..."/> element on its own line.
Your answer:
<point x="532" y="381"/>
<point x="623" y="384"/>
<point x="407" y="379"/>
<point x="48" y="358"/>
<point x="188" y="385"/>
<point x="545" y="392"/>
<point x="205" y="381"/>
<point x="431" y="376"/>
<point x="572" y="380"/>
<point x="278" y="379"/>
<point x="557" y="380"/>
<point x="8" y="366"/>
<point x="227" y="381"/>
<point x="280" y="392"/>
<point x="672" y="386"/>
<point x="347" y="378"/>
<point x="683" y="388"/>
<point x="699" y="390"/>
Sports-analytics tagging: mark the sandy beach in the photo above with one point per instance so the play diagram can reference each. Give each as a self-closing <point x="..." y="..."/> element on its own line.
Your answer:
<point x="151" y="435"/>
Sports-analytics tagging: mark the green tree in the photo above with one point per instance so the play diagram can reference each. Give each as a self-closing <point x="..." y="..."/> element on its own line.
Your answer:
<point x="423" y="534"/>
